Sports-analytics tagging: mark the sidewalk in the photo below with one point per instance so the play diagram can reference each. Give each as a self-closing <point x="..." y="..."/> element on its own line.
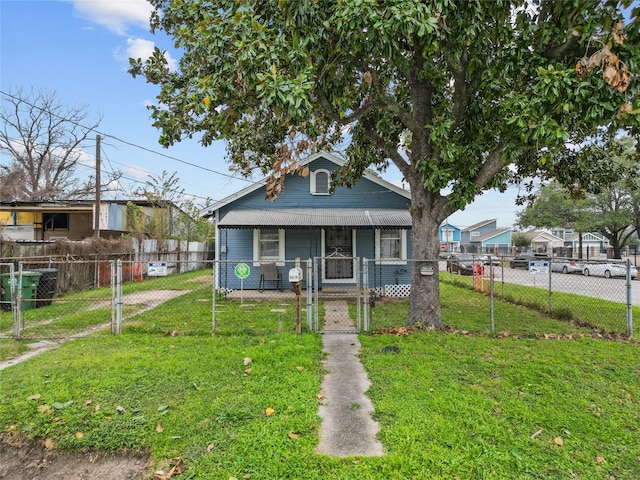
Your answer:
<point x="347" y="427"/>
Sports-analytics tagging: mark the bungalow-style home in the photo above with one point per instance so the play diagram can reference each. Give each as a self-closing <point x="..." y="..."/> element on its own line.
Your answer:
<point x="594" y="245"/>
<point x="496" y="242"/>
<point x="449" y="237"/>
<point x="369" y="220"/>
<point x="74" y="219"/>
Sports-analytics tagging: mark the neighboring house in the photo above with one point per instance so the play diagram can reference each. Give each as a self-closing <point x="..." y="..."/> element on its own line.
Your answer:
<point x="593" y="245"/>
<point x="471" y="234"/>
<point x="543" y="241"/>
<point x="74" y="219"/>
<point x="496" y="242"/>
<point x="369" y="220"/>
<point x="449" y="237"/>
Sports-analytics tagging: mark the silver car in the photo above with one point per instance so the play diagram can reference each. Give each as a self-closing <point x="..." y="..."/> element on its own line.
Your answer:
<point x="566" y="265"/>
<point x="609" y="270"/>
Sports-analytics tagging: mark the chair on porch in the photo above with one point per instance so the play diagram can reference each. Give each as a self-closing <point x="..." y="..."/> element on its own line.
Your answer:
<point x="269" y="273"/>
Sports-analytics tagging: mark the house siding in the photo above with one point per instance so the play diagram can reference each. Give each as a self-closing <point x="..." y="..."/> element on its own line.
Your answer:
<point x="236" y="244"/>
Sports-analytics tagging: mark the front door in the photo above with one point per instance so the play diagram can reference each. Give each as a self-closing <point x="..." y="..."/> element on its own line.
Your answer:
<point x="338" y="252"/>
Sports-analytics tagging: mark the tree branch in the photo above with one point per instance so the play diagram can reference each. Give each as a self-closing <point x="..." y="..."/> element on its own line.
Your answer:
<point x="565" y="48"/>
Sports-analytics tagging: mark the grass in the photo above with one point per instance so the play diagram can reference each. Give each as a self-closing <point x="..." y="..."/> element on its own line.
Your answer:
<point x="465" y="405"/>
<point x="597" y="313"/>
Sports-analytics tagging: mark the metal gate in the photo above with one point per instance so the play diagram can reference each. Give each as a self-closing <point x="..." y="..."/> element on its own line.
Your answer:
<point x="337" y="302"/>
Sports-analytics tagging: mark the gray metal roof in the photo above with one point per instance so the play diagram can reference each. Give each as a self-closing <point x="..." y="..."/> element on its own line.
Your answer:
<point x="317" y="217"/>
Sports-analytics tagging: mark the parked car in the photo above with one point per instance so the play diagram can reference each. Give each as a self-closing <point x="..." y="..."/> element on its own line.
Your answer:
<point x="522" y="260"/>
<point x="486" y="259"/>
<point x="463" y="264"/>
<point x="609" y="270"/>
<point x="566" y="265"/>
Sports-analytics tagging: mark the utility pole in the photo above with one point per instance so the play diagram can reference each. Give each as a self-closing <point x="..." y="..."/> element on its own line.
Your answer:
<point x="96" y="218"/>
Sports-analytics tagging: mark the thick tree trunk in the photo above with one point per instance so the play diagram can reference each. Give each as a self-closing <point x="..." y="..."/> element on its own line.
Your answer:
<point x="424" y="308"/>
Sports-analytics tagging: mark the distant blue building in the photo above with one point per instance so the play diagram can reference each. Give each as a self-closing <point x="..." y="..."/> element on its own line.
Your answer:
<point x="370" y="220"/>
<point x="449" y="238"/>
<point x="486" y="237"/>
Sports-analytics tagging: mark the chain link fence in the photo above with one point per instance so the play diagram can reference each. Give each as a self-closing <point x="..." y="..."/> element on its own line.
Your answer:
<point x="56" y="298"/>
<point x="64" y="298"/>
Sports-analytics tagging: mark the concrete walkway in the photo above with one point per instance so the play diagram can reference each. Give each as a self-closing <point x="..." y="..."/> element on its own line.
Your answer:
<point x="347" y="427"/>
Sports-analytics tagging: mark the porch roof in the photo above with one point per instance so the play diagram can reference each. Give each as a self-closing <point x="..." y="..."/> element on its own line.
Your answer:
<point x="317" y="218"/>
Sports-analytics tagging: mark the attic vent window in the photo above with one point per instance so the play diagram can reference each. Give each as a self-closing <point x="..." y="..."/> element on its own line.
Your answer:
<point x="320" y="182"/>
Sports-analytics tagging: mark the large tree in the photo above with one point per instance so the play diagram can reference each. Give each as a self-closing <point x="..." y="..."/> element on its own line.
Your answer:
<point x="460" y="96"/>
<point x="43" y="140"/>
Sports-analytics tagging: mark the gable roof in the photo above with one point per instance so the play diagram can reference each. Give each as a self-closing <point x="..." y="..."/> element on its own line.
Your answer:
<point x="478" y="225"/>
<point x="328" y="156"/>
<point x="491" y="234"/>
<point x="541" y="235"/>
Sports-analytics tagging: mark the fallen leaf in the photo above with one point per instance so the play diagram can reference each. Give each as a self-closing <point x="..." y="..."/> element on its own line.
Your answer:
<point x="87" y="402"/>
<point x="62" y="405"/>
<point x="159" y="428"/>
<point x="120" y="409"/>
<point x="34" y="397"/>
<point x="210" y="447"/>
<point x="162" y="408"/>
<point x="248" y="360"/>
<point x="300" y="368"/>
<point x="293" y="435"/>
<point x="319" y="396"/>
<point x="248" y="371"/>
<point x="246" y="476"/>
<point x="269" y="411"/>
<point x="599" y="460"/>
<point x="48" y="444"/>
<point x="177" y="469"/>
<point x="96" y="408"/>
<point x="44" y="409"/>
<point x="558" y="441"/>
<point x="79" y="435"/>
<point x="532" y="437"/>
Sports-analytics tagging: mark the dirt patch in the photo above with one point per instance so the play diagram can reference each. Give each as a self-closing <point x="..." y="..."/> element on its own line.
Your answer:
<point x="32" y="461"/>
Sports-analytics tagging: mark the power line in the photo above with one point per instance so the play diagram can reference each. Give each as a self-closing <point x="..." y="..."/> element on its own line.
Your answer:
<point x="126" y="142"/>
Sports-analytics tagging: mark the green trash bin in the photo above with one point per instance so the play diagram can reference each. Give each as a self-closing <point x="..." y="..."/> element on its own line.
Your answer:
<point x="28" y="288"/>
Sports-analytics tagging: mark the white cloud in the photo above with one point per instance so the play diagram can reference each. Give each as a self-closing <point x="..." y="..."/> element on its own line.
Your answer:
<point x="141" y="48"/>
<point x="136" y="172"/>
<point x="115" y="15"/>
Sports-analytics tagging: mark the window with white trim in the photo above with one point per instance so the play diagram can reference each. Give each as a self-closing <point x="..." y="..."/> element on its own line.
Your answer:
<point x="268" y="244"/>
<point x="391" y="245"/>
<point x="320" y="182"/>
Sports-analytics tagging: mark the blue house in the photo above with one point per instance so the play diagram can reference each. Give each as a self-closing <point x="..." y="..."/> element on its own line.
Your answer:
<point x="449" y="237"/>
<point x="470" y="235"/>
<point x="496" y="242"/>
<point x="369" y="220"/>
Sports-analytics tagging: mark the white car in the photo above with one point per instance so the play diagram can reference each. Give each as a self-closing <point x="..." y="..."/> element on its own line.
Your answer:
<point x="609" y="270"/>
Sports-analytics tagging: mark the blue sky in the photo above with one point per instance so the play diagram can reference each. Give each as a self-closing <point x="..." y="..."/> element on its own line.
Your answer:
<point x="80" y="50"/>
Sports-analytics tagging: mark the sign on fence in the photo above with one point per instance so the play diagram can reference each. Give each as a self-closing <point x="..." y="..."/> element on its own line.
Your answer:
<point x="539" y="268"/>
<point x="157" y="269"/>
